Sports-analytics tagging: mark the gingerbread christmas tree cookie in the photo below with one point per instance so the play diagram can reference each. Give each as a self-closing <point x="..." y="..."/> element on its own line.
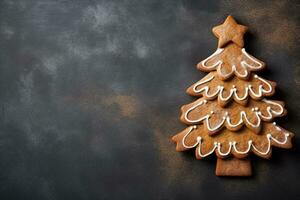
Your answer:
<point x="232" y="116"/>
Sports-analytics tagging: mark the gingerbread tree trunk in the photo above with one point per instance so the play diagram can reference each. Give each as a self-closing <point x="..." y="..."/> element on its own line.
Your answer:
<point x="232" y="116"/>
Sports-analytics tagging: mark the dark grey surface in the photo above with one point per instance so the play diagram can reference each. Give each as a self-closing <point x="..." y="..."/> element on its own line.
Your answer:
<point x="90" y="93"/>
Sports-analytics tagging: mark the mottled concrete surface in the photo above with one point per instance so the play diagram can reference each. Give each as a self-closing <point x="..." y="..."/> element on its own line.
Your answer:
<point x="90" y="93"/>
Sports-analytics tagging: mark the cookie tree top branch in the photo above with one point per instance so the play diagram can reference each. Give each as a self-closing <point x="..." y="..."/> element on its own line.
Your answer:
<point x="232" y="116"/>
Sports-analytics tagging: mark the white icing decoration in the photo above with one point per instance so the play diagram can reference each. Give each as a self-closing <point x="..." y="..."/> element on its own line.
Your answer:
<point x="286" y="135"/>
<point x="276" y="104"/>
<point x="216" y="127"/>
<point x="242" y="152"/>
<point x="237" y="73"/>
<point x="192" y="108"/>
<point x="268" y="149"/>
<point x="183" y="139"/>
<point x="202" y="82"/>
<point x="210" y="152"/>
<point x="261" y="90"/>
<point x="270" y="111"/>
<point x="244" y="65"/>
<point x="233" y="90"/>
<point x="241" y="98"/>
<point x="232" y="145"/>
<point x="217" y="64"/>
<point x="243" y="116"/>
<point x="228" y="152"/>
<point x="228" y="97"/>
<point x="206" y="88"/>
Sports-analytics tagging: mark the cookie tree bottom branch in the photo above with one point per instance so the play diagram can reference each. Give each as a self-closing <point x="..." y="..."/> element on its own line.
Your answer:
<point x="232" y="116"/>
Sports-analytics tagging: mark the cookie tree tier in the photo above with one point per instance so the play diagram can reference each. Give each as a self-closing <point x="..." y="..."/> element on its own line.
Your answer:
<point x="232" y="116"/>
<point x="211" y="87"/>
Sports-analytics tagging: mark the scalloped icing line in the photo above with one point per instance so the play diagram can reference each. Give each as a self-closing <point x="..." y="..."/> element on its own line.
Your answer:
<point x="217" y="64"/>
<point x="233" y="91"/>
<point x="243" y="63"/>
<point x="232" y="145"/>
<point x="243" y="115"/>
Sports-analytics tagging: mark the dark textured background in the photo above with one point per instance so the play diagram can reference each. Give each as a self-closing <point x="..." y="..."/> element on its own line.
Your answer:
<point x="90" y="93"/>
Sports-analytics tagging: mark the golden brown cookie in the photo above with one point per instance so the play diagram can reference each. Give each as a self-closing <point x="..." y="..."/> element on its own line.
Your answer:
<point x="230" y="31"/>
<point x="228" y="143"/>
<point x="232" y="117"/>
<point x="211" y="87"/>
<point x="231" y="60"/>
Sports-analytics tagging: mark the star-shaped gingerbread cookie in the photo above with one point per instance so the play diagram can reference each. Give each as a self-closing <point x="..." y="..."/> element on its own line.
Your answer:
<point x="230" y="30"/>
